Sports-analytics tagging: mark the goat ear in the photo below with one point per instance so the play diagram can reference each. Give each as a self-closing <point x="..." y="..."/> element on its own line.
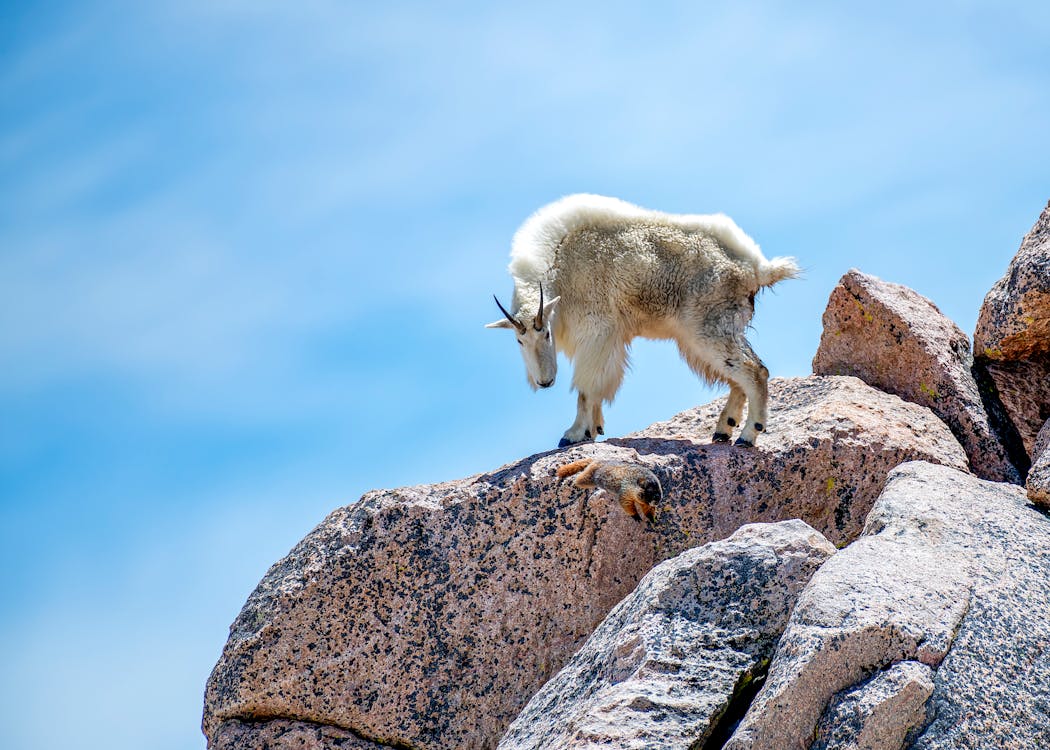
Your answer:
<point x="550" y="307"/>
<point x="502" y="323"/>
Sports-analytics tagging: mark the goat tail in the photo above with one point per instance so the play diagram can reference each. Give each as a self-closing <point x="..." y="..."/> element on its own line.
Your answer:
<point x="777" y="269"/>
<point x="573" y="468"/>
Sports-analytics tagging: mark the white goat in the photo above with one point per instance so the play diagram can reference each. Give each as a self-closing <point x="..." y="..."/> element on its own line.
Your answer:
<point x="613" y="271"/>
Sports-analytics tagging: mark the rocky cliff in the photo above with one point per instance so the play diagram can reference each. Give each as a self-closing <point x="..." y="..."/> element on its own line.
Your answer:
<point x="846" y="583"/>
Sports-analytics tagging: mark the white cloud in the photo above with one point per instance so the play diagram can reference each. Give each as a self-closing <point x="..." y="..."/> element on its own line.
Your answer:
<point x="286" y="219"/>
<point x="328" y="140"/>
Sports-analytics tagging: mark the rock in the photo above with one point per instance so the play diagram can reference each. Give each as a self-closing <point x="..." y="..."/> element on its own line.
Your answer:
<point x="879" y="712"/>
<point x="950" y="572"/>
<point x="282" y="733"/>
<point x="1012" y="340"/>
<point x="428" y="616"/>
<point x="1039" y="476"/>
<point x="898" y="341"/>
<point x="1042" y="442"/>
<point x="1014" y="322"/>
<point x="665" y="664"/>
<point x="994" y="685"/>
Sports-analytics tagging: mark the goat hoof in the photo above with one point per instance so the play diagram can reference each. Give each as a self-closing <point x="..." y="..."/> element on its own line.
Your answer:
<point x="721" y="437"/>
<point x="600" y="430"/>
<point x="564" y="442"/>
<point x="745" y="443"/>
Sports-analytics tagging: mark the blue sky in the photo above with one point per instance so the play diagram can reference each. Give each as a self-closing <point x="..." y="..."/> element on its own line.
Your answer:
<point x="247" y="250"/>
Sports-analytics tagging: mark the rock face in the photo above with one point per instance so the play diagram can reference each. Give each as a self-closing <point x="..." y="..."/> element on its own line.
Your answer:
<point x="428" y="616"/>
<point x="664" y="666"/>
<point x="1012" y="340"/>
<point x="1039" y="477"/>
<point x="878" y="713"/>
<point x="898" y="341"/>
<point x="951" y="572"/>
<point x="1042" y="442"/>
<point x="281" y="734"/>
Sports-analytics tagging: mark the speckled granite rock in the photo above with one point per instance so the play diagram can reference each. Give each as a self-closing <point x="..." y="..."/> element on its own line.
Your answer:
<point x="1042" y="442"/>
<point x="428" y="616"/>
<point x="878" y="713"/>
<point x="951" y="572"/>
<point x="1039" y="477"/>
<point x="898" y="341"/>
<point x="281" y="734"/>
<point x="1012" y="340"/>
<point x="993" y="688"/>
<point x="665" y="664"/>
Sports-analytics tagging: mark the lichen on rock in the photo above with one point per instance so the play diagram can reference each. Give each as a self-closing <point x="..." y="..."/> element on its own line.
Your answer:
<point x="1012" y="339"/>
<point x="903" y="344"/>
<point x="667" y="662"/>
<point x="1038" y="483"/>
<point x="879" y="712"/>
<point x="428" y="616"/>
<point x="951" y="573"/>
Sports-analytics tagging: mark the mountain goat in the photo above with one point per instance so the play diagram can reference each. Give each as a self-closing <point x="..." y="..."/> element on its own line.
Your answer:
<point x="613" y="271"/>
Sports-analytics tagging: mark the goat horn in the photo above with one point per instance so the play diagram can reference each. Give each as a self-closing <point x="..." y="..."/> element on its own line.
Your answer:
<point x="510" y="317"/>
<point x="538" y="323"/>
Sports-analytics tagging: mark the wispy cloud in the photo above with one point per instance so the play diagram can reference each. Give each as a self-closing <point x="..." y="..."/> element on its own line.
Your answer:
<point x="246" y="250"/>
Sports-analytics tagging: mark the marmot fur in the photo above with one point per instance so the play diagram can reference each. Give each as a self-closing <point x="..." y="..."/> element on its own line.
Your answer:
<point x="637" y="488"/>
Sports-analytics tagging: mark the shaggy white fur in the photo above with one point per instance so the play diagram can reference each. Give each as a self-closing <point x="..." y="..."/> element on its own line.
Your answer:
<point x="532" y="251"/>
<point x="612" y="271"/>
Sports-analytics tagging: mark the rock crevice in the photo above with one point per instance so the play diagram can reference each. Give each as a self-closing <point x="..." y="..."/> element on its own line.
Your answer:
<point x="680" y="653"/>
<point x="946" y="566"/>
<point x="430" y="615"/>
<point x="425" y="618"/>
<point x="898" y="341"/>
<point x="1012" y="339"/>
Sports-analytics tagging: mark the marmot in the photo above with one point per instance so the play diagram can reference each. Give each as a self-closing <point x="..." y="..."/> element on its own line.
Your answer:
<point x="637" y="488"/>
